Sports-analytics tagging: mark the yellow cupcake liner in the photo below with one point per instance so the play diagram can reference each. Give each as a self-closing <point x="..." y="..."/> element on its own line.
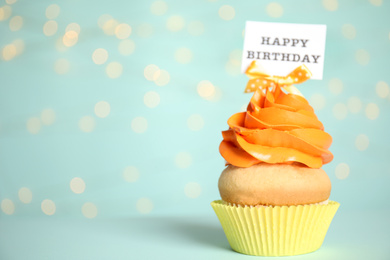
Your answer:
<point x="275" y="231"/>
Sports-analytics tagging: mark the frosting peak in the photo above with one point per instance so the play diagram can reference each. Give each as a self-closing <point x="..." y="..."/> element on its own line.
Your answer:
<point x="277" y="127"/>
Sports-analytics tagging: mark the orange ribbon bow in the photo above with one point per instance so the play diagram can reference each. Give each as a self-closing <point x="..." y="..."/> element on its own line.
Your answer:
<point x="260" y="79"/>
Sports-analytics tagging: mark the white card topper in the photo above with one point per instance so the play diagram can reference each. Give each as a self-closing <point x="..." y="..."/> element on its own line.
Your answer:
<point x="281" y="47"/>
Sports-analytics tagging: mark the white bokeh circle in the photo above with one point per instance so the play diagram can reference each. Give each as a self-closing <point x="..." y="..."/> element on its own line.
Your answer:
<point x="144" y="205"/>
<point x="330" y="5"/>
<point x="34" y="125"/>
<point x="195" y="122"/>
<point x="151" y="99"/>
<point x="362" y="142"/>
<point x="102" y="109"/>
<point x="192" y="190"/>
<point x="87" y="124"/>
<point x="48" y="116"/>
<point x="89" y="210"/>
<point x="139" y="125"/>
<point x="8" y="206"/>
<point x="25" y="195"/>
<point x="227" y="12"/>
<point x="130" y="174"/>
<point x="274" y="10"/>
<point x="372" y="111"/>
<point x="183" y="160"/>
<point x="342" y="171"/>
<point x="48" y="207"/>
<point x="77" y="185"/>
<point x="382" y="89"/>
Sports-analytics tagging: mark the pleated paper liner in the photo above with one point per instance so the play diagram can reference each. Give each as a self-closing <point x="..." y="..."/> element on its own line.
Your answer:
<point x="275" y="231"/>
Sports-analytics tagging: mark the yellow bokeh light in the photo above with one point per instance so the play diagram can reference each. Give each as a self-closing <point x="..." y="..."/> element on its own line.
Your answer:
<point x="144" y="30"/>
<point x="50" y="28"/>
<point x="19" y="45"/>
<point x="103" y="19"/>
<point x="274" y="10"/>
<point x="123" y="31"/>
<point x="330" y="5"/>
<point x="362" y="57"/>
<point x="195" y="122"/>
<point x="376" y="2"/>
<point x="162" y="79"/>
<point x="61" y="66"/>
<point x="102" y="109"/>
<point x="144" y="205"/>
<point x="233" y="67"/>
<point x="348" y="31"/>
<point x="354" y="105"/>
<point x="382" y="89"/>
<point x="25" y="195"/>
<point x="150" y="71"/>
<point x="372" y="111"/>
<point x="114" y="70"/>
<point x="126" y="47"/>
<point x="158" y="7"/>
<point x="73" y="27"/>
<point x="183" y="55"/>
<point x="226" y="12"/>
<point x="342" y="171"/>
<point x="130" y="174"/>
<point x="87" y="124"/>
<point x="183" y="160"/>
<point x="139" y="125"/>
<point x="10" y="2"/>
<point x="33" y="125"/>
<point x="9" y="52"/>
<point x="151" y="99"/>
<point x="16" y="23"/>
<point x="60" y="45"/>
<point x="52" y="11"/>
<point x="192" y="190"/>
<point x="175" y="23"/>
<point x="48" y="116"/>
<point x="205" y="89"/>
<point x="110" y="26"/>
<point x="235" y="55"/>
<point x="362" y="142"/>
<point x="156" y="74"/>
<point x="195" y="28"/>
<point x="77" y="185"/>
<point x="89" y="210"/>
<point x="5" y="12"/>
<point x="48" y="207"/>
<point x="100" y="56"/>
<point x="7" y="206"/>
<point x="70" y="38"/>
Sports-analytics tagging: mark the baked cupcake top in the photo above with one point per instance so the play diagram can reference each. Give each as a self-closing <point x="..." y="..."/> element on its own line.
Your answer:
<point x="278" y="127"/>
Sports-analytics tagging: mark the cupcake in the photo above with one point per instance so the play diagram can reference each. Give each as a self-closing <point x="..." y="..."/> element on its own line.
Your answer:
<point x="274" y="194"/>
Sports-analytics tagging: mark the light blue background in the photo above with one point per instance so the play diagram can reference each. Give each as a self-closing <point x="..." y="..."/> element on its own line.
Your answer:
<point x="47" y="161"/>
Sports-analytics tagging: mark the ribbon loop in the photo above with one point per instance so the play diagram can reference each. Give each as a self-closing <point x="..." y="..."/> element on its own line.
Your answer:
<point x="262" y="80"/>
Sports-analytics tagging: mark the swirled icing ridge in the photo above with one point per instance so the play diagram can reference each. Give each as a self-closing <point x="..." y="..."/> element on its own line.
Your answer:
<point x="276" y="128"/>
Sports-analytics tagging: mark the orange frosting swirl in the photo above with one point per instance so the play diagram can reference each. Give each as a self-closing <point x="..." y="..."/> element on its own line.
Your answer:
<point x="277" y="127"/>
